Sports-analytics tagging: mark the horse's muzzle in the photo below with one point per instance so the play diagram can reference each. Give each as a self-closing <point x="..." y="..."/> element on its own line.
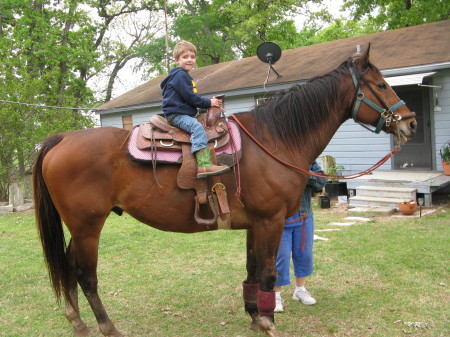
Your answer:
<point x="407" y="126"/>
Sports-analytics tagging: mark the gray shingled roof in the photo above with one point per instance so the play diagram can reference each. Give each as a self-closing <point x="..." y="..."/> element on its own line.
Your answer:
<point x="401" y="48"/>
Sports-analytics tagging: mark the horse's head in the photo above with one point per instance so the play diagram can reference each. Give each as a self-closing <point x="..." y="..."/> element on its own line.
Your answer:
<point x="375" y="102"/>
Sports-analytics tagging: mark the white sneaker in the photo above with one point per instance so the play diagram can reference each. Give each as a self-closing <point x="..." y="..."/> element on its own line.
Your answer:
<point x="278" y="303"/>
<point x="301" y="294"/>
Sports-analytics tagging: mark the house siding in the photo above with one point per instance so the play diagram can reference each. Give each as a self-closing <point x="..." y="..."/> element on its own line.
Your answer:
<point x="232" y="105"/>
<point x="139" y="117"/>
<point x="441" y="118"/>
<point x="357" y="149"/>
<point x="238" y="104"/>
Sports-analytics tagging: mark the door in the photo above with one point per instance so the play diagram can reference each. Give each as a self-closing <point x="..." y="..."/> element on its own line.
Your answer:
<point x="416" y="154"/>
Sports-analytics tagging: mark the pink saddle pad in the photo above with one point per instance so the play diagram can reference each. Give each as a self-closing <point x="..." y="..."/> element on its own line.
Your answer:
<point x="176" y="157"/>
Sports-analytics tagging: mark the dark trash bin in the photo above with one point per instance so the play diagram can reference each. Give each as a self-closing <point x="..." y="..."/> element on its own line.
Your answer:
<point x="324" y="201"/>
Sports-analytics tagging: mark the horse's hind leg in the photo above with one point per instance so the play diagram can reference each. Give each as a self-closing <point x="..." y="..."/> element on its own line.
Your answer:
<point x="86" y="242"/>
<point x="72" y="309"/>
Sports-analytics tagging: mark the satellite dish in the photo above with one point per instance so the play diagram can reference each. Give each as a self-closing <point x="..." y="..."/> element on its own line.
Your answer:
<point x="269" y="52"/>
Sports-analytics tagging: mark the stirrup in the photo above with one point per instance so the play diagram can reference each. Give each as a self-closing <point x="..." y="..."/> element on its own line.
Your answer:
<point x="205" y="222"/>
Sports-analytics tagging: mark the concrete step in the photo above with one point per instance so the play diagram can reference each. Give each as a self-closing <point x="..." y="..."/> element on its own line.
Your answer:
<point x="405" y="193"/>
<point x="371" y="211"/>
<point x="370" y="201"/>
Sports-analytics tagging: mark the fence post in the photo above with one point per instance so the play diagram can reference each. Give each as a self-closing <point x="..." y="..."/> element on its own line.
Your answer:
<point x="15" y="195"/>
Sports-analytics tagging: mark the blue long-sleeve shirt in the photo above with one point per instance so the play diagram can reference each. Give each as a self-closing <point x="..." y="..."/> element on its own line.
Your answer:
<point x="180" y="94"/>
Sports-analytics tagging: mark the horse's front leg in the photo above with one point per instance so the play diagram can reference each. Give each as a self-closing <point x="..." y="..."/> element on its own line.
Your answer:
<point x="262" y="246"/>
<point x="250" y="285"/>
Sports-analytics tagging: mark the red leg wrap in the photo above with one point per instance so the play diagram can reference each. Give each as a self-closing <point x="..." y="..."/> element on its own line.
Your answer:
<point x="250" y="292"/>
<point x="266" y="303"/>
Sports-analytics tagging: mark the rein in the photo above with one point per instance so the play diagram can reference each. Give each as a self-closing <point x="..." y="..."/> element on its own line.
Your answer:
<point x="322" y="175"/>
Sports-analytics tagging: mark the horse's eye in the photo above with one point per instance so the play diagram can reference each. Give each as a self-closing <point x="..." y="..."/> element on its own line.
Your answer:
<point x="381" y="86"/>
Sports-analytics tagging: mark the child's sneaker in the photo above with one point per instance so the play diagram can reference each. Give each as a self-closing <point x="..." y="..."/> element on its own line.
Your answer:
<point x="278" y="302"/>
<point x="301" y="294"/>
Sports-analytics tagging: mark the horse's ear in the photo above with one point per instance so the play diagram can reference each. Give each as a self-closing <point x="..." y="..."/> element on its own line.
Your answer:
<point x="363" y="59"/>
<point x="365" y="56"/>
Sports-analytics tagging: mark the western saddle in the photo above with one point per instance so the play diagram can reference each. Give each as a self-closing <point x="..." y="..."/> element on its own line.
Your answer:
<point x="158" y="134"/>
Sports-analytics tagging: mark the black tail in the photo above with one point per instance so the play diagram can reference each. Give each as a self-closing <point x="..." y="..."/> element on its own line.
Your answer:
<point x="49" y="224"/>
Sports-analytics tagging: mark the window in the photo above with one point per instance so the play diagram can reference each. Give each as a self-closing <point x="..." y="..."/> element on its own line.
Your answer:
<point x="261" y="100"/>
<point x="127" y="122"/>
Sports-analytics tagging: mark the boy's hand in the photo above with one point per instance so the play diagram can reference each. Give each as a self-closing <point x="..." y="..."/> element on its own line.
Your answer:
<point x="217" y="103"/>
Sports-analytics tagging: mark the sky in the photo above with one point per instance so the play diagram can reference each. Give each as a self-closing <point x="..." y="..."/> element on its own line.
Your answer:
<point x="333" y="7"/>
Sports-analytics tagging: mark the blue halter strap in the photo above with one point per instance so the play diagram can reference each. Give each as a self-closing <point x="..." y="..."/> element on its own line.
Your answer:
<point x="386" y="114"/>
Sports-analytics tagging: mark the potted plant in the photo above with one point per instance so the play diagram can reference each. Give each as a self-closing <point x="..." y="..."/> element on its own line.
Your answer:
<point x="445" y="156"/>
<point x="407" y="207"/>
<point x="334" y="188"/>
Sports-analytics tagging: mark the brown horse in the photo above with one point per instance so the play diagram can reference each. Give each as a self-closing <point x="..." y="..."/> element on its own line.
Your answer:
<point x="80" y="176"/>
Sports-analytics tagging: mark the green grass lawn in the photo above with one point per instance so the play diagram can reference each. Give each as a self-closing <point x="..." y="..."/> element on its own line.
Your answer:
<point x="386" y="277"/>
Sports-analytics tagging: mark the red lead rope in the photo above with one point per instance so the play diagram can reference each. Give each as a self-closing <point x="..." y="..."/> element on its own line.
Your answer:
<point x="350" y="176"/>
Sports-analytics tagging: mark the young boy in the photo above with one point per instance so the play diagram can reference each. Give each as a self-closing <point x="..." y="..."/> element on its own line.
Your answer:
<point x="180" y="103"/>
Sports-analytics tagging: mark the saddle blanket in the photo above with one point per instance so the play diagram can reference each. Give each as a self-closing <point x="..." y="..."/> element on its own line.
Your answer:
<point x="224" y="155"/>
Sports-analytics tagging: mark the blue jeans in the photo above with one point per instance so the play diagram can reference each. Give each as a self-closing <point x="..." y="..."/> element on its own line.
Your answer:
<point x="302" y="259"/>
<point x="190" y="124"/>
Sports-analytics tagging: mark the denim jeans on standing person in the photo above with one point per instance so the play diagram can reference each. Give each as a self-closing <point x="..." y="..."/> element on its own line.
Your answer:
<point x="191" y="125"/>
<point x="298" y="241"/>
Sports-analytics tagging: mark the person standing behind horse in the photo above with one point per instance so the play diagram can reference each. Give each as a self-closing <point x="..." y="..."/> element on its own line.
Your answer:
<point x="180" y="103"/>
<point x="298" y="238"/>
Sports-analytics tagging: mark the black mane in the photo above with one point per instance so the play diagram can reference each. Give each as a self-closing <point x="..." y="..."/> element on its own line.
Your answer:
<point x="294" y="114"/>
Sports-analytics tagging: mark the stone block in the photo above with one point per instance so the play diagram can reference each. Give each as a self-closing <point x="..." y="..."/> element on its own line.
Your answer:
<point x="6" y="209"/>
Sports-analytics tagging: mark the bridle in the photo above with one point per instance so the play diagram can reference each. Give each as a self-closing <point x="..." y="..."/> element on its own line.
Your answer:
<point x="386" y="113"/>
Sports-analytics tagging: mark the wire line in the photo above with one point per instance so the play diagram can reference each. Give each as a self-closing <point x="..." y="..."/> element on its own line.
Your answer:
<point x="44" y="106"/>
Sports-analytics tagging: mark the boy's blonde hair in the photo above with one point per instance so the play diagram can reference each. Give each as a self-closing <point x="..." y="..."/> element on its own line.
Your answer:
<point x="181" y="47"/>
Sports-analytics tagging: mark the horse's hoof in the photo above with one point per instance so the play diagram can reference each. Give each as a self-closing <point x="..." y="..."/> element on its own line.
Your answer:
<point x="255" y="327"/>
<point x="265" y="325"/>
<point x="109" y="330"/>
<point x="116" y="333"/>
<point x="82" y="332"/>
<point x="273" y="332"/>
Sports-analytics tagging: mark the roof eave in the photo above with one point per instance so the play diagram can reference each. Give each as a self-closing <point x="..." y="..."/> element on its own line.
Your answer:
<point x="415" y="69"/>
<point x="127" y="108"/>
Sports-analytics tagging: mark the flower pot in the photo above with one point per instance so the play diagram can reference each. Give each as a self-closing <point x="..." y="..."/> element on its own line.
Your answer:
<point x="407" y="208"/>
<point x="446" y="167"/>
